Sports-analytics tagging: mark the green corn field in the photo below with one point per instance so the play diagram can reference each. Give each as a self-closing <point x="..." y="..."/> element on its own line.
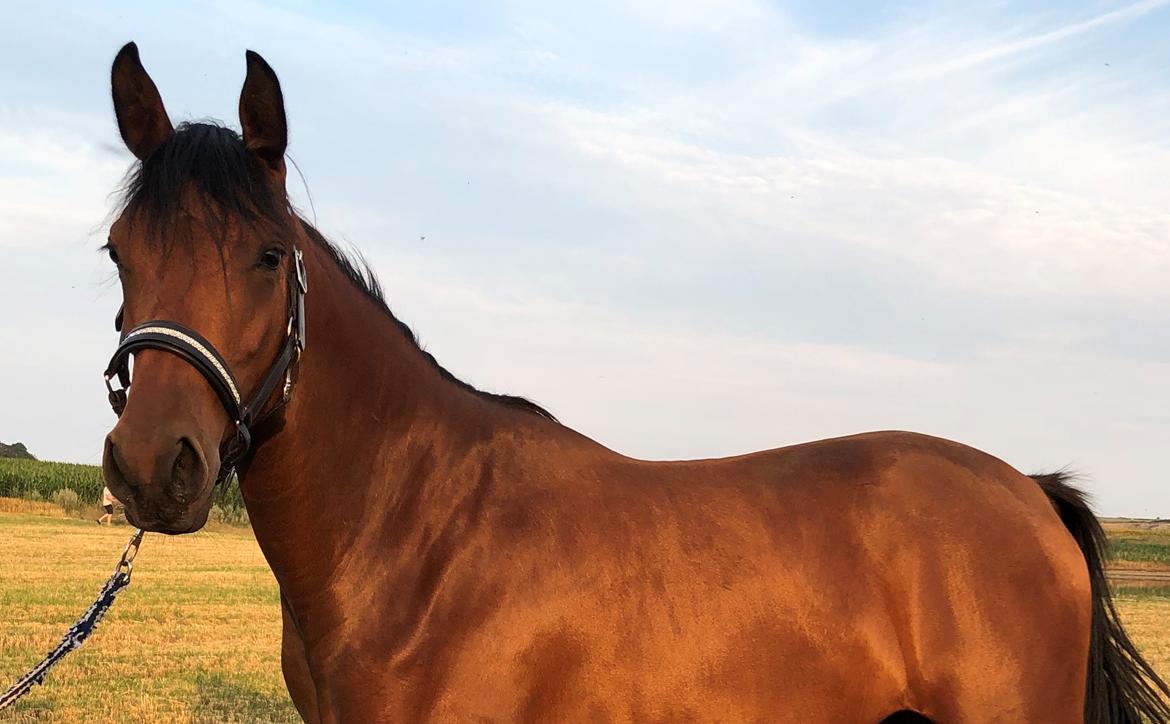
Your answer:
<point x="39" y="480"/>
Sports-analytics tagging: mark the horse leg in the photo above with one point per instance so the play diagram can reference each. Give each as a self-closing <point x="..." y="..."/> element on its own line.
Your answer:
<point x="295" y="665"/>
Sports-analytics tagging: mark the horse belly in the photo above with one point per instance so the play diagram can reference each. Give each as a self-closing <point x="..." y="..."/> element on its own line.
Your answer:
<point x="760" y="652"/>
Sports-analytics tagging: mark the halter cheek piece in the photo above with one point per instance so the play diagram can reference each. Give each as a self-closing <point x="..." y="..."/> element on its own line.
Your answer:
<point x="188" y="345"/>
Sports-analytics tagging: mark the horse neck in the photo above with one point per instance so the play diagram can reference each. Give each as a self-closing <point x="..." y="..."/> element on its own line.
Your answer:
<point x="370" y="430"/>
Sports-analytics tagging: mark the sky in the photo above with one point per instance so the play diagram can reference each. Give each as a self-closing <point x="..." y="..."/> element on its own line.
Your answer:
<point x="691" y="228"/>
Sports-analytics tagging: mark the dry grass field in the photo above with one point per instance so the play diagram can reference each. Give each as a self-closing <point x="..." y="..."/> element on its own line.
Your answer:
<point x="196" y="636"/>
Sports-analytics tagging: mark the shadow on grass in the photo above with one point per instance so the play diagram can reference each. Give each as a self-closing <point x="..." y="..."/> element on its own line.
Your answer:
<point x="222" y="698"/>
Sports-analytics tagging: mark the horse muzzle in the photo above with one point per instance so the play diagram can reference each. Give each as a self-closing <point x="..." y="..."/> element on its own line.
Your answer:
<point x="163" y="477"/>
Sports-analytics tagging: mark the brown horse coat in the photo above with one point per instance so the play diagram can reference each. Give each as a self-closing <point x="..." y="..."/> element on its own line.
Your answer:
<point x="449" y="555"/>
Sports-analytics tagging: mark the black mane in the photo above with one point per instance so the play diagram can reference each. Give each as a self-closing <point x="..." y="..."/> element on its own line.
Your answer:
<point x="213" y="160"/>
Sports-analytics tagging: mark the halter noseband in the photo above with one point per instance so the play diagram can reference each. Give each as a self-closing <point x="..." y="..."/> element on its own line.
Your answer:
<point x="188" y="345"/>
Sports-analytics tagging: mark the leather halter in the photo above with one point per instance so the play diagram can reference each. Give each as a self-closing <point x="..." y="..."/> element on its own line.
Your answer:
<point x="195" y="350"/>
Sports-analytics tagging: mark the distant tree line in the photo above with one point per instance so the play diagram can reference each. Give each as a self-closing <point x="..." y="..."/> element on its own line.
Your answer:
<point x="15" y="451"/>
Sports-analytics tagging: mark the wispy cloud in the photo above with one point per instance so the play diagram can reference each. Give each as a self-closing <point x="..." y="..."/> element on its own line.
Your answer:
<point x="1034" y="41"/>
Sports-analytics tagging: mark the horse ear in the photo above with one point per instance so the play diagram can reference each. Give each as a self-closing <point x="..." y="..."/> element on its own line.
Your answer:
<point x="142" y="119"/>
<point x="262" y="113"/>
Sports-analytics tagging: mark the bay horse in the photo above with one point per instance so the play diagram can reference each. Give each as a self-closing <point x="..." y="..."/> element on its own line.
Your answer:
<point x="446" y="554"/>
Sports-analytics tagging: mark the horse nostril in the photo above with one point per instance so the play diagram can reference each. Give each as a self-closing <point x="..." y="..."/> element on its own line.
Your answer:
<point x="185" y="460"/>
<point x="187" y="471"/>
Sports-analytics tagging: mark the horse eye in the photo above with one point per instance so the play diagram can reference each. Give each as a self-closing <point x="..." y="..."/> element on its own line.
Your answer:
<point x="270" y="259"/>
<point x="113" y="254"/>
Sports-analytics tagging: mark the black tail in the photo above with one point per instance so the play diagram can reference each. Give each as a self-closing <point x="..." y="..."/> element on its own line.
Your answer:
<point x="1122" y="687"/>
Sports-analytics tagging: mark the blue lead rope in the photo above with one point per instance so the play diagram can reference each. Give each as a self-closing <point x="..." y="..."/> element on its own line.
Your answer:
<point x="81" y="630"/>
